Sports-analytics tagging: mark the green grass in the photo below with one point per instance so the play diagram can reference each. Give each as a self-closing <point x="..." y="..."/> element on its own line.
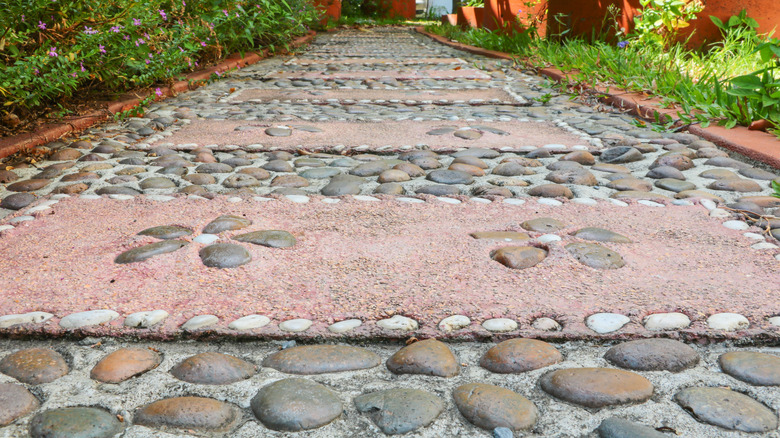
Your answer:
<point x="693" y="82"/>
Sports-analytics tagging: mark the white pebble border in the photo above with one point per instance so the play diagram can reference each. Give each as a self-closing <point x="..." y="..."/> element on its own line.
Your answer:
<point x="600" y="323"/>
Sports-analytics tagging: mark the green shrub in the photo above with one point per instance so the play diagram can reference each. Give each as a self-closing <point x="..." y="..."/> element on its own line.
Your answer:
<point x="51" y="49"/>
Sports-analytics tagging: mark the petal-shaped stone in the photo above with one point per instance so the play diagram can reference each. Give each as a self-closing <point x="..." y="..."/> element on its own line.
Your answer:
<point x="166" y="232"/>
<point x="79" y="422"/>
<point x="212" y="368"/>
<point x="595" y="256"/>
<point x="519" y="257"/>
<point x="597" y="387"/>
<point x="34" y="366"/>
<point x="507" y="236"/>
<point x="269" y="238"/>
<point x="759" y="369"/>
<point x="429" y="357"/>
<point x="124" y="364"/>
<point x="543" y="225"/>
<point x="296" y="404"/>
<point x="319" y="359"/>
<point x="615" y="427"/>
<point x="144" y="252"/>
<point x="224" y="255"/>
<point x="728" y="409"/>
<point x="15" y="402"/>
<point x="519" y="356"/>
<point x="400" y="410"/>
<point x="489" y="407"/>
<point x="601" y="235"/>
<point x="653" y="355"/>
<point x="226" y="223"/>
<point x="187" y="413"/>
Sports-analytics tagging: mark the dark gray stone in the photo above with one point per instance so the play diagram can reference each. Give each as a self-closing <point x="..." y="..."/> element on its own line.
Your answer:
<point x="224" y="255"/>
<point x="601" y="235"/>
<point x="117" y="190"/>
<point x="226" y="223"/>
<point x="320" y="359"/>
<point x="595" y="256"/>
<point x="144" y="252"/>
<point x="166" y="232"/>
<point x="278" y="166"/>
<point x="78" y="422"/>
<point x="615" y="427"/>
<point x="728" y="409"/>
<point x="674" y="185"/>
<point x="292" y="405"/>
<point x="653" y="355"/>
<point x="214" y="168"/>
<point x="661" y="172"/>
<point x="398" y="411"/>
<point x="543" y="225"/>
<point x="450" y="177"/>
<point x="511" y="168"/>
<point x="438" y="190"/>
<point x="269" y="238"/>
<point x="620" y="154"/>
<point x="320" y="173"/>
<point x="17" y="201"/>
<point x="477" y="152"/>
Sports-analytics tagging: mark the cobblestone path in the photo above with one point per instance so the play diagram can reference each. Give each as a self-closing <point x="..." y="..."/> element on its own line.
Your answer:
<point x="374" y="190"/>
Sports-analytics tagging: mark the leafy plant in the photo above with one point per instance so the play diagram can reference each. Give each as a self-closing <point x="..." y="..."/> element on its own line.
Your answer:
<point x="473" y="3"/>
<point x="776" y="187"/>
<point x="735" y="21"/>
<point x="660" y="20"/>
<point x="50" y="50"/>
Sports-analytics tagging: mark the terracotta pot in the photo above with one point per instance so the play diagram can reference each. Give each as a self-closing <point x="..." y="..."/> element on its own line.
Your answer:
<point x="470" y="17"/>
<point x="513" y="15"/>
<point x="401" y="8"/>
<point x="586" y="18"/>
<point x="329" y="10"/>
<point x="765" y="12"/>
<point x="451" y="19"/>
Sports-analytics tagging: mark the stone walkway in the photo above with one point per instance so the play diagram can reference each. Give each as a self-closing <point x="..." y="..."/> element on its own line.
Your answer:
<point x="377" y="188"/>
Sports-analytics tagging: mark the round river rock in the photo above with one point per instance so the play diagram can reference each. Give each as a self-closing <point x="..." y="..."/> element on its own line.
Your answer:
<point x="293" y="405"/>
<point x="520" y="355"/>
<point x="653" y="355"/>
<point x="597" y="387"/>
<point x="400" y="410"/>
<point x="224" y="255"/>
<point x="319" y="359"/>
<point x="489" y="407"/>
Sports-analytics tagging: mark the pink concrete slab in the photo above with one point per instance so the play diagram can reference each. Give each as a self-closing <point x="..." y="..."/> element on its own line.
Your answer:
<point x="296" y="95"/>
<point x="355" y="134"/>
<point x="368" y="260"/>
<point x="377" y="74"/>
<point x="374" y="61"/>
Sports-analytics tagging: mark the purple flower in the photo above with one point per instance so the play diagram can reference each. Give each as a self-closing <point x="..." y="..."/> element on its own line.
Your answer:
<point x="158" y="92"/>
<point x="22" y="18"/>
<point x="41" y="25"/>
<point x="73" y="74"/>
<point x="126" y="37"/>
<point x="224" y="11"/>
<point x="162" y="14"/>
<point x="136" y="22"/>
<point x="116" y="29"/>
<point x="139" y="41"/>
<point x="203" y="43"/>
<point x="622" y="44"/>
<point x="89" y="31"/>
<point x="82" y="67"/>
<point x="36" y="71"/>
<point x="53" y="52"/>
<point x="102" y="48"/>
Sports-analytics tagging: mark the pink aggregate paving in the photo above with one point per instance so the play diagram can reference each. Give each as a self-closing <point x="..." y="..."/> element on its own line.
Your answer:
<point x="353" y="134"/>
<point x="262" y="95"/>
<point x="368" y="260"/>
<point x="400" y="75"/>
<point x="374" y="61"/>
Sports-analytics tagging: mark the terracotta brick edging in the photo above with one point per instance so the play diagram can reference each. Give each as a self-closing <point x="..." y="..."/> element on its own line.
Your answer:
<point x="52" y="131"/>
<point x="757" y="145"/>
